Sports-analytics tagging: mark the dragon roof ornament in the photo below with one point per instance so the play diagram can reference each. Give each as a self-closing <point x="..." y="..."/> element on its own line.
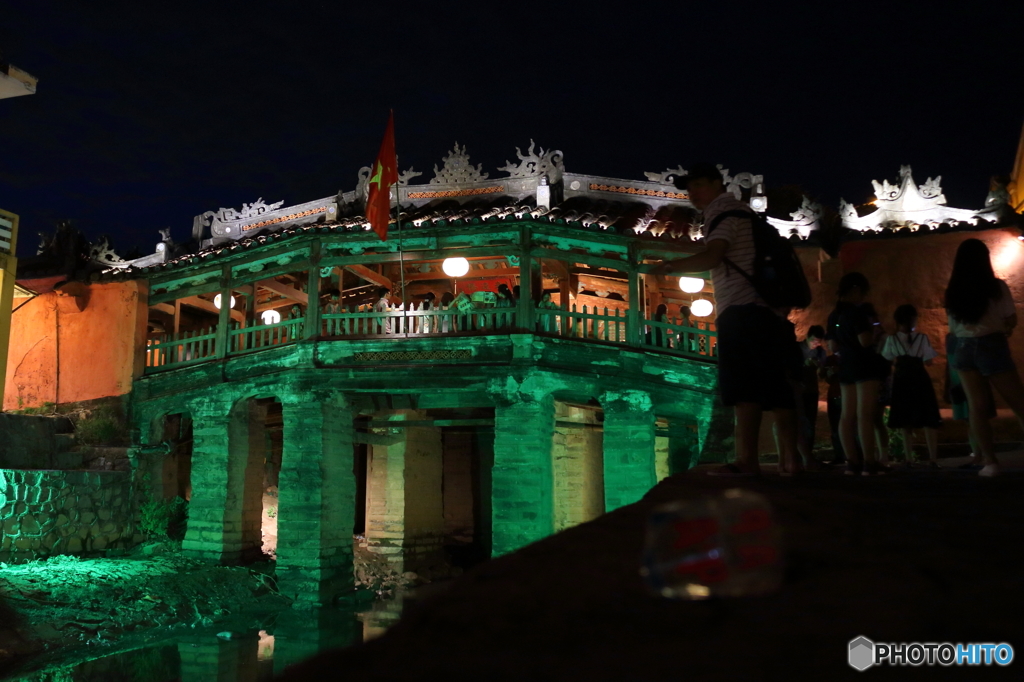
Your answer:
<point x="457" y="169"/>
<point x="907" y="204"/>
<point x="805" y="220"/>
<point x="531" y="164"/>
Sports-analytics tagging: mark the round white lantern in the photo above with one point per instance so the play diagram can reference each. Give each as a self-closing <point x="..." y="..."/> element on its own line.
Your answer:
<point x="217" y="299"/>
<point x="691" y="285"/>
<point x="455" y="267"/>
<point x="701" y="307"/>
<point x="270" y="317"/>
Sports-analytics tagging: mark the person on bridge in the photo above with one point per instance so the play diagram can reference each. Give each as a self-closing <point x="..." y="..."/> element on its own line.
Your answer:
<point x="756" y="344"/>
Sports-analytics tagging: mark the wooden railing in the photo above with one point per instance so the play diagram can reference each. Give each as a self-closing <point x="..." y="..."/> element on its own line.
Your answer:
<point x="607" y="325"/>
<point x="396" y="323"/>
<point x="248" y="339"/>
<point x="584" y="324"/>
<point x="678" y="336"/>
<point x="184" y="348"/>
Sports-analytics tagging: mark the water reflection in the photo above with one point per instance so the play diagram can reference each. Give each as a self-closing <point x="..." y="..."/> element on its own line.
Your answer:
<point x="223" y="654"/>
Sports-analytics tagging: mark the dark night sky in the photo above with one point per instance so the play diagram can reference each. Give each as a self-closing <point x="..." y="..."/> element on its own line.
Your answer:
<point x="145" y="118"/>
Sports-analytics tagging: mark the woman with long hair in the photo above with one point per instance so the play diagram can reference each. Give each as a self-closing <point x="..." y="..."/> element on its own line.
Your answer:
<point x="861" y="371"/>
<point x="981" y="316"/>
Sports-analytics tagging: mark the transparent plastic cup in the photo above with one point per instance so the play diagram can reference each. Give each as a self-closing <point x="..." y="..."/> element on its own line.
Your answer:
<point x="724" y="545"/>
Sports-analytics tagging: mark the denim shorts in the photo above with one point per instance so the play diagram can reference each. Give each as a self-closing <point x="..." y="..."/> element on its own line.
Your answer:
<point x="987" y="355"/>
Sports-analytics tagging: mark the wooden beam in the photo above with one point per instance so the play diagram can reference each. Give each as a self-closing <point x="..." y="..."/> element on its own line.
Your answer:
<point x="209" y="307"/>
<point x="284" y="290"/>
<point x="371" y="276"/>
<point x="163" y="308"/>
<point x="472" y="274"/>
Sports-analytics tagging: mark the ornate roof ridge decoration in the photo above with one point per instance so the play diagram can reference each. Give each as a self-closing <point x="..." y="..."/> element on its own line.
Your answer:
<point x="666" y="177"/>
<point x="907" y="204"/>
<point x="547" y="162"/>
<point x="457" y="169"/>
<point x="806" y="219"/>
<point x="103" y="254"/>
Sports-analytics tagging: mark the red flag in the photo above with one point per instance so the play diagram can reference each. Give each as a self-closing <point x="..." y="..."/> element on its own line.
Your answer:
<point x="382" y="178"/>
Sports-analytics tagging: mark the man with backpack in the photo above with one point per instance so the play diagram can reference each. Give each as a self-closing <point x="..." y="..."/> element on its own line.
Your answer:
<point x="757" y="281"/>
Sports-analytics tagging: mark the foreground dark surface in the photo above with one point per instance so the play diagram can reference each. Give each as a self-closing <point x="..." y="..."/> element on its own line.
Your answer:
<point x="911" y="557"/>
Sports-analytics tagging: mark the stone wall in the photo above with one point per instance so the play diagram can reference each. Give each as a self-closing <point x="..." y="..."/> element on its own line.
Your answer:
<point x="47" y="512"/>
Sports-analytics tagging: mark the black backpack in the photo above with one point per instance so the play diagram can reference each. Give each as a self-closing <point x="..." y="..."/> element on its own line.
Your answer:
<point x="778" y="275"/>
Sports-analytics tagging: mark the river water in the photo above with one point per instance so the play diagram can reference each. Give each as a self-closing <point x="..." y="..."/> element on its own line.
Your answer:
<point x="253" y="650"/>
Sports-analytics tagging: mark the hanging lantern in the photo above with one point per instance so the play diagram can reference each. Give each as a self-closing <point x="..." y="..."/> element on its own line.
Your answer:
<point x="455" y="267"/>
<point x="691" y="285"/>
<point x="270" y="317"/>
<point x="701" y="307"/>
<point x="217" y="299"/>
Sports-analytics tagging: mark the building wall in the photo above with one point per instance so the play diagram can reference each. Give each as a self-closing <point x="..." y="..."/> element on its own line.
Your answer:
<point x="78" y="343"/>
<point x="913" y="269"/>
<point x="578" y="466"/>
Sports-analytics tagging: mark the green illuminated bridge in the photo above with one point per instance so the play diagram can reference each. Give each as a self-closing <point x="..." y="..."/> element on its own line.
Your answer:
<point x="307" y="411"/>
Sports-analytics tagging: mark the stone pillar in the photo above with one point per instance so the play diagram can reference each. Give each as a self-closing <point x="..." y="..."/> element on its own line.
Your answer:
<point x="683" y="447"/>
<point x="405" y="510"/>
<point x="522" y="479"/>
<point x="717" y="432"/>
<point x="577" y="466"/>
<point x="629" y="470"/>
<point x="458" y="488"/>
<point x="220" y="523"/>
<point x="316" y="499"/>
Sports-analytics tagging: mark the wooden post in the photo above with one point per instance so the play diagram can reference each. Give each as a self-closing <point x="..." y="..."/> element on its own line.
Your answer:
<point x="527" y="304"/>
<point x="224" y="314"/>
<point x="177" y="317"/>
<point x="312" y="329"/>
<point x="633" y="327"/>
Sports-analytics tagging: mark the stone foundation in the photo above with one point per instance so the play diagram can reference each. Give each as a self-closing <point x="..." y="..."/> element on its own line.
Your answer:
<point x="46" y="512"/>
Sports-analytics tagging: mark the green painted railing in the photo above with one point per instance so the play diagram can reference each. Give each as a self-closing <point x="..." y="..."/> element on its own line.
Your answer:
<point x="589" y="324"/>
<point x="248" y="339"/>
<point x="395" y="323"/>
<point x="606" y="325"/>
<point x="177" y="350"/>
<point x="678" y="336"/>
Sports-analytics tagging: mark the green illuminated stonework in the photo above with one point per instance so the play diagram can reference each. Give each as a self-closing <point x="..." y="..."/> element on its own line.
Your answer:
<point x="582" y="414"/>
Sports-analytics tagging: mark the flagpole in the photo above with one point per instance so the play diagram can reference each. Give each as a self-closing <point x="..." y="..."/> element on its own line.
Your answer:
<point x="398" y="224"/>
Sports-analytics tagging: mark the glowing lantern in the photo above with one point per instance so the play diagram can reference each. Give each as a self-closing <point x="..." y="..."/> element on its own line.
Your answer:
<point x="455" y="267"/>
<point x="270" y="317"/>
<point x="216" y="301"/>
<point x="701" y="307"/>
<point x="691" y="285"/>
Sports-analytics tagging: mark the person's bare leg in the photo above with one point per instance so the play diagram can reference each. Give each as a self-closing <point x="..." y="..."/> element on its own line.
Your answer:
<point x="931" y="438"/>
<point x="908" y="445"/>
<point x="867" y="409"/>
<point x="1009" y="386"/>
<point x="881" y="433"/>
<point x="848" y="424"/>
<point x="748" y="427"/>
<point x="978" y="407"/>
<point x="778" y="443"/>
<point x="786" y="425"/>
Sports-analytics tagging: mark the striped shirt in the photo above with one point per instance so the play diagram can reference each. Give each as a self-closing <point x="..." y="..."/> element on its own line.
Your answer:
<point x="732" y="288"/>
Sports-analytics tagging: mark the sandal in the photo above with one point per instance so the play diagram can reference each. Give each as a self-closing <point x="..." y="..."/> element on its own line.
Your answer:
<point x="874" y="469"/>
<point x="853" y="469"/>
<point x="733" y="470"/>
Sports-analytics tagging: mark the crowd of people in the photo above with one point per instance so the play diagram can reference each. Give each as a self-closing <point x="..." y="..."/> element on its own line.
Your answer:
<point x="763" y="368"/>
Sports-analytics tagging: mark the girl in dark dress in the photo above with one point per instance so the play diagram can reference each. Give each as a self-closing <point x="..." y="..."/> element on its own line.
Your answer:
<point x="914" y="405"/>
<point x="861" y="371"/>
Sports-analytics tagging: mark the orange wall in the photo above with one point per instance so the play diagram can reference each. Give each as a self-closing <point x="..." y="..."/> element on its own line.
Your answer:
<point x="914" y="270"/>
<point x="102" y="346"/>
